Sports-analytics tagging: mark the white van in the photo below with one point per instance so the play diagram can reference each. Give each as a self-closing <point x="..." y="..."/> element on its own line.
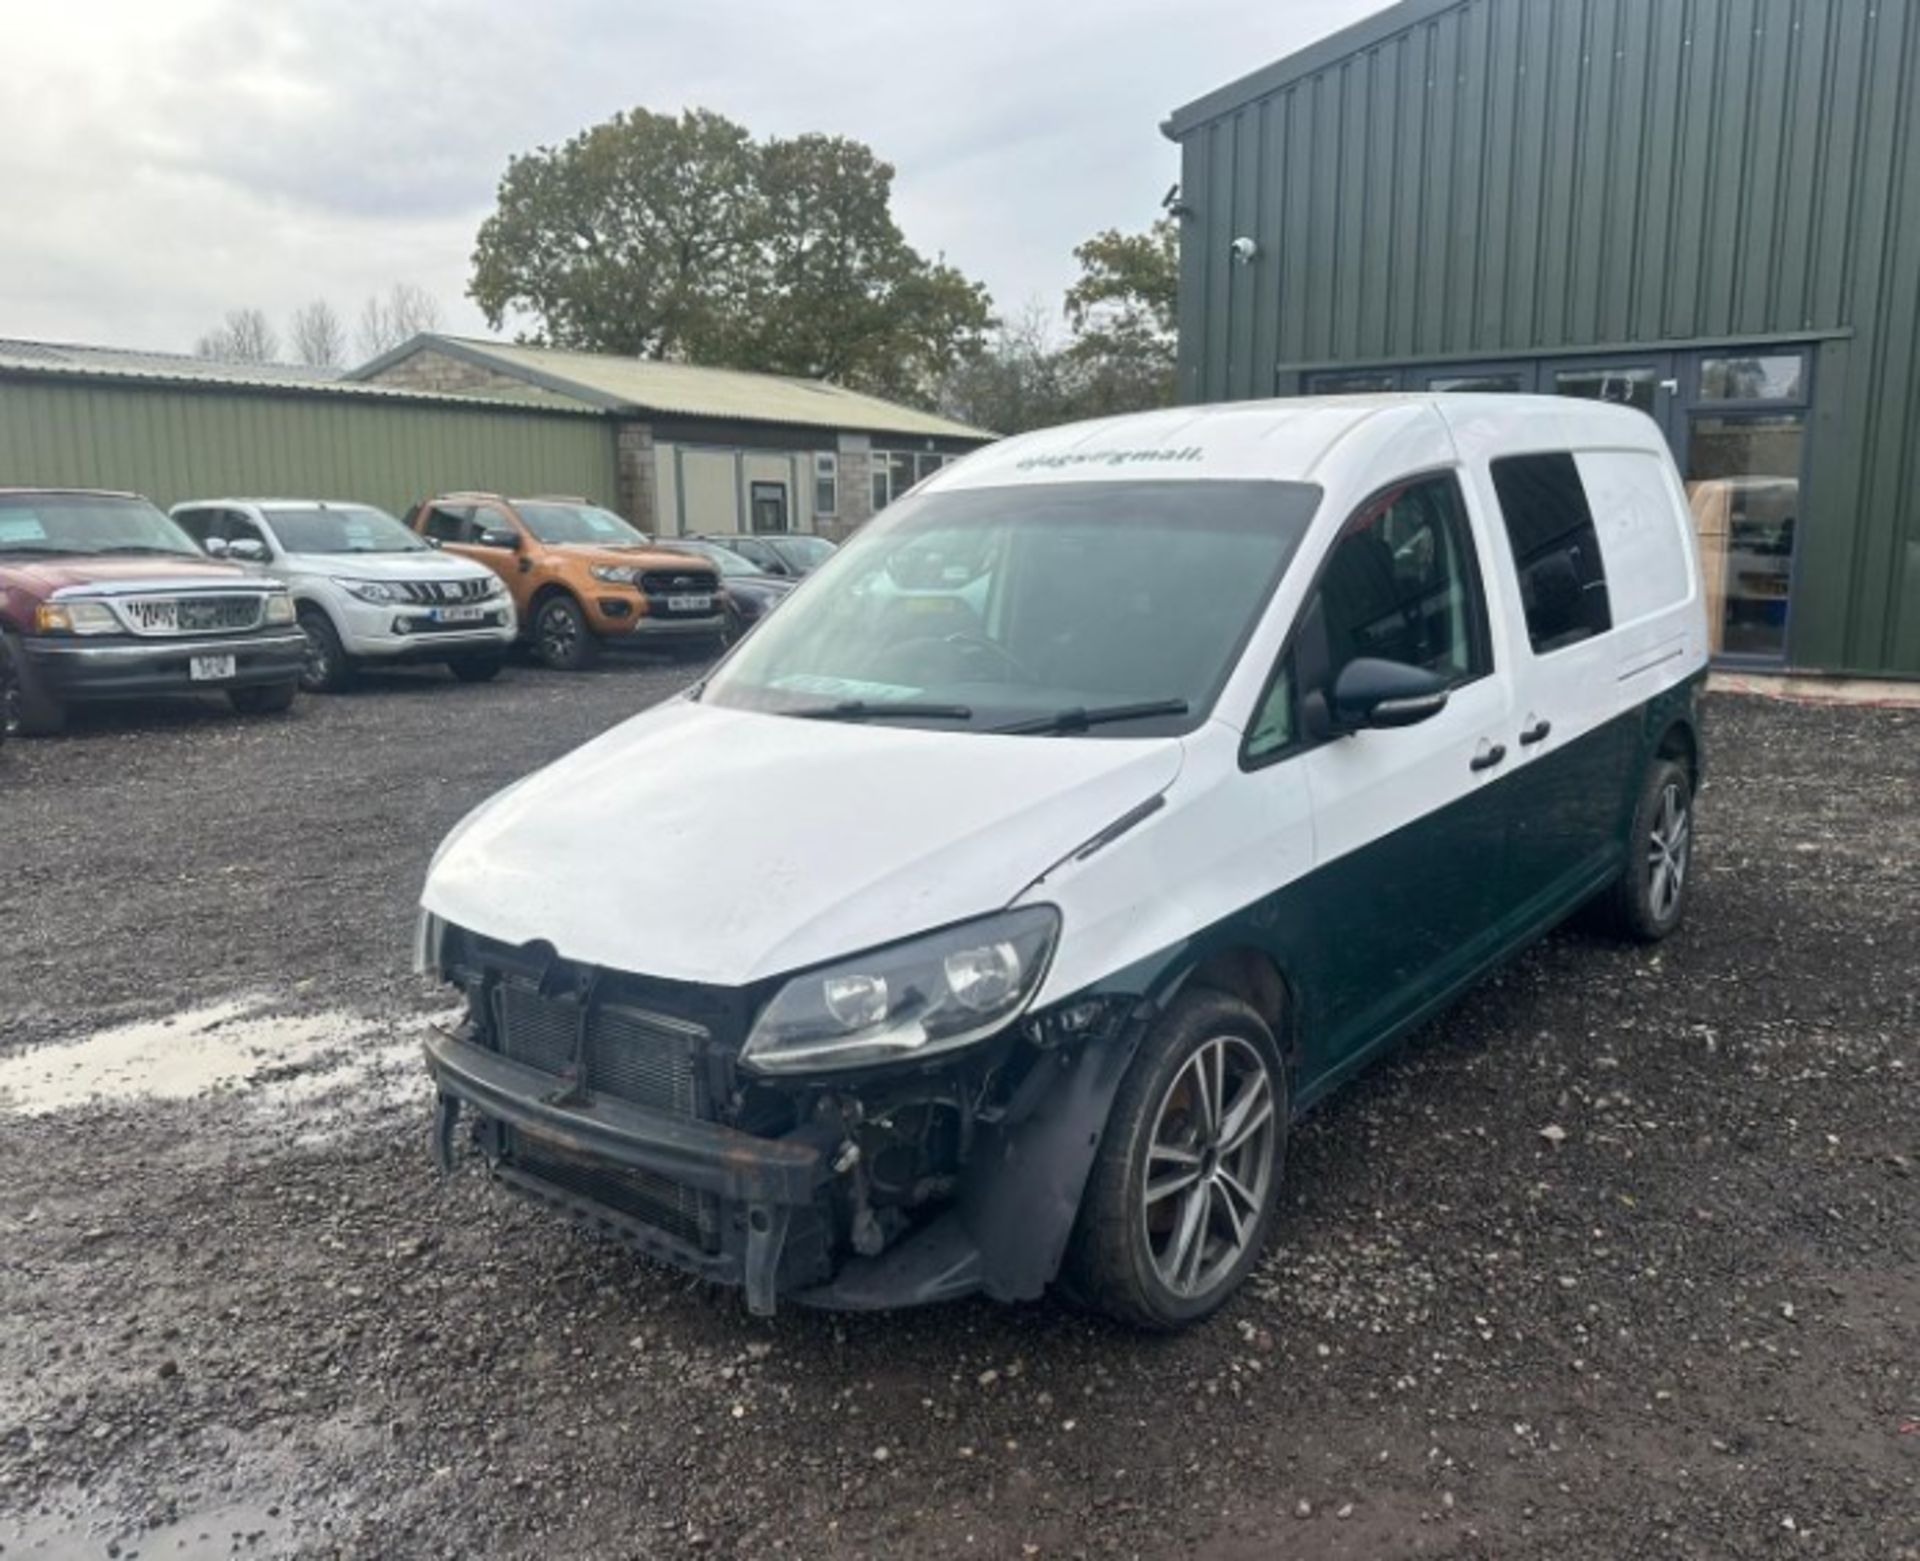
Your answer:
<point x="368" y="591"/>
<point x="1183" y="763"/>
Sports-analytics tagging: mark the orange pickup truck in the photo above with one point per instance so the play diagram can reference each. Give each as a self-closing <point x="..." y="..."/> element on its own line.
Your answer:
<point x="580" y="576"/>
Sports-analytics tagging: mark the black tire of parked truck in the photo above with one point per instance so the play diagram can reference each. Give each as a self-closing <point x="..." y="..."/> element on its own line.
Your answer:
<point x="264" y="698"/>
<point x="562" y="638"/>
<point x="476" y="669"/>
<point x="1186" y="1184"/>
<point x="1649" y="898"/>
<point x="27" y="708"/>
<point x="326" y="669"/>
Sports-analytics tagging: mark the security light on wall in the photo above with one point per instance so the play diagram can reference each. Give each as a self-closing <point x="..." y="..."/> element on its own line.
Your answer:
<point x="1243" y="250"/>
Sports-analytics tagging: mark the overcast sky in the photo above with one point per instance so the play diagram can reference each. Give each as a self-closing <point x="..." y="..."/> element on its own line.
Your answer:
<point x="164" y="162"/>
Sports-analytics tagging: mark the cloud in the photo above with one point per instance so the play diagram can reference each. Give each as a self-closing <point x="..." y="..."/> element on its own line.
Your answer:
<point x="164" y="163"/>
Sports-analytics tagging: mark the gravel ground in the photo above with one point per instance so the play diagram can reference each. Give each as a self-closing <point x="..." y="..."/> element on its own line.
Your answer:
<point x="243" y="1315"/>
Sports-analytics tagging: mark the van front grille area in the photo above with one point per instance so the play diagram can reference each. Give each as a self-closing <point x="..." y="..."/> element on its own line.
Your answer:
<point x="649" y="1059"/>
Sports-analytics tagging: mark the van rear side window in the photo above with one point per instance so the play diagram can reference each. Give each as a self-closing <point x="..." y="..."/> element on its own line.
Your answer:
<point x="1563" y="580"/>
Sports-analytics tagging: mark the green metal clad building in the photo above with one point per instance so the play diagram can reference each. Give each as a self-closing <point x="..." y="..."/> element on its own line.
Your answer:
<point x="175" y="428"/>
<point x="1709" y="209"/>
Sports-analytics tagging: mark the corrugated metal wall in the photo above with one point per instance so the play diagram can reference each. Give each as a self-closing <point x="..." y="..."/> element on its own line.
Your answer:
<point x="172" y="443"/>
<point x="1501" y="176"/>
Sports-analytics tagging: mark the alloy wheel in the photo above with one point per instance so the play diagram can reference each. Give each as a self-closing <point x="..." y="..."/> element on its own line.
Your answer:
<point x="558" y="635"/>
<point x="1209" y="1166"/>
<point x="1667" y="853"/>
<point x="316" y="666"/>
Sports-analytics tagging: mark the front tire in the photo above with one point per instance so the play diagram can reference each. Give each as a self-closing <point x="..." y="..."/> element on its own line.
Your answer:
<point x="264" y="698"/>
<point x="326" y="669"/>
<point x="562" y="639"/>
<point x="1184" y="1189"/>
<point x="1650" y="897"/>
<point x="26" y="709"/>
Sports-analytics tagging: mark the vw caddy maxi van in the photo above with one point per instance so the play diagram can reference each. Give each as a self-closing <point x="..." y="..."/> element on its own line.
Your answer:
<point x="1221" y="747"/>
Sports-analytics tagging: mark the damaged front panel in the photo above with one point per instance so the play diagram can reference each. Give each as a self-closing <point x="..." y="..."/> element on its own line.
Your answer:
<point x="619" y="1100"/>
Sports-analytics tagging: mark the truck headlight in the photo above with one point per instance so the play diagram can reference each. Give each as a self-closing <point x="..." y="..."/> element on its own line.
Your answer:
<point x="925" y="996"/>
<point x="615" y="574"/>
<point x="75" y="618"/>
<point x="372" y="591"/>
<point x="280" y="608"/>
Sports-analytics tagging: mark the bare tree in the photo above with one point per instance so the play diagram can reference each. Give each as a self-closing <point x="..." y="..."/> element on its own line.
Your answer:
<point x="245" y="336"/>
<point x="405" y="312"/>
<point x="319" y="338"/>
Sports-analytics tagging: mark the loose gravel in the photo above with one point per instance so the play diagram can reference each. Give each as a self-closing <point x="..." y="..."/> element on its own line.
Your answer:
<point x="1620" y="1257"/>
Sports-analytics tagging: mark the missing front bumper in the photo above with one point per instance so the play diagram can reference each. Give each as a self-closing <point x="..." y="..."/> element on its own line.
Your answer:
<point x="573" y="1154"/>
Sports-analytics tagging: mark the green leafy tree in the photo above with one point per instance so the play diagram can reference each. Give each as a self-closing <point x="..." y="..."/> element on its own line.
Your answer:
<point x="687" y="239"/>
<point x="1124" y="312"/>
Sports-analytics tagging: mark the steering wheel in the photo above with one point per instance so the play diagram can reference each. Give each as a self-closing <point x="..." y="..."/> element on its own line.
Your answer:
<point x="968" y="640"/>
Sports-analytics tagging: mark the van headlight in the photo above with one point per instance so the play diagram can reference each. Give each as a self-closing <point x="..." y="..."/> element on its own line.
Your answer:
<point x="915" y="999"/>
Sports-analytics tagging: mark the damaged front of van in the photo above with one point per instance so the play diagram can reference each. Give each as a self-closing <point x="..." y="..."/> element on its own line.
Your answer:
<point x="864" y="1056"/>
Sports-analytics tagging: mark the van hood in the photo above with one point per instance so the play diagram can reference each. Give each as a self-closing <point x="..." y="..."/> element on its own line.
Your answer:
<point x="700" y="844"/>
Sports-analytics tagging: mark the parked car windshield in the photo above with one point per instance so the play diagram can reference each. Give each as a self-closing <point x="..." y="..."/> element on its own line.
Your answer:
<point x="991" y="608"/>
<point x="728" y="562"/>
<point x="554" y="523"/>
<point x="340" y="528"/>
<point x="802" y="553"/>
<point x="87" y="525"/>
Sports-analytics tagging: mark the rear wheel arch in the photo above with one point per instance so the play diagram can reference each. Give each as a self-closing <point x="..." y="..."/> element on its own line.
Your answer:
<point x="1680" y="743"/>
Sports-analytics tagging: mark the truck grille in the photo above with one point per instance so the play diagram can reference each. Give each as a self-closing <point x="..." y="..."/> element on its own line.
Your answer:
<point x="435" y="593"/>
<point x="230" y="612"/>
<point x="648" y="1059"/>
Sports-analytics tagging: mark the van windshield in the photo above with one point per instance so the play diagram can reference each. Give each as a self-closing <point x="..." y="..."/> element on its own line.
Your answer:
<point x="1117" y="609"/>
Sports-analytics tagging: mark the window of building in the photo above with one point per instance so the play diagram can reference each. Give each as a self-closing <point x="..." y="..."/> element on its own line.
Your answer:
<point x="1563" y="580"/>
<point x="1774" y="376"/>
<point x="1743" y="485"/>
<point x="896" y="471"/>
<point x="1343" y="382"/>
<point x="1503" y="384"/>
<point x="826" y="484"/>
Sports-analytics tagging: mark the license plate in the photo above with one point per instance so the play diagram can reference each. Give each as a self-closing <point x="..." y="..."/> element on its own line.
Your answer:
<point x="689" y="603"/>
<point x="209" y="669"/>
<point x="458" y="614"/>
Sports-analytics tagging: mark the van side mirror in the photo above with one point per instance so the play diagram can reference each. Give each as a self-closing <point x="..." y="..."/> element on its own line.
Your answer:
<point x="499" y="536"/>
<point x="1374" y="693"/>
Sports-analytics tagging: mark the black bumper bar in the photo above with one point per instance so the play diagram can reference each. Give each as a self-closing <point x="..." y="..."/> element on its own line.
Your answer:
<point x="769" y="1177"/>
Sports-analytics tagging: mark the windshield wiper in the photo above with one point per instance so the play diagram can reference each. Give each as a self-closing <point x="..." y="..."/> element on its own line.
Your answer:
<point x="1080" y="718"/>
<point x="138" y="547"/>
<point x="861" y="710"/>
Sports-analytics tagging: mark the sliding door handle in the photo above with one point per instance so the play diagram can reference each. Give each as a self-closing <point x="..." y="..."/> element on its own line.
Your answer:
<point x="1488" y="756"/>
<point x="1537" y="733"/>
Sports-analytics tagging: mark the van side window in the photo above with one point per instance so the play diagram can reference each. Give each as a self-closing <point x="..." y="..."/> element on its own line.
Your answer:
<point x="1272" y="728"/>
<point x="1563" y="580"/>
<point x="1401" y="585"/>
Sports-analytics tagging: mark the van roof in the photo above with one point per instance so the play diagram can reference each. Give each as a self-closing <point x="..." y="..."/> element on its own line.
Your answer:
<point x="1285" y="440"/>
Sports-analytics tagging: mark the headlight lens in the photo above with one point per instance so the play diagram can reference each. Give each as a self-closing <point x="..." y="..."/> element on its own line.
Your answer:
<point x="615" y="574"/>
<point x="280" y="608"/>
<point x="371" y="590"/>
<point x="75" y="618"/>
<point x="495" y="586"/>
<point x="914" y="999"/>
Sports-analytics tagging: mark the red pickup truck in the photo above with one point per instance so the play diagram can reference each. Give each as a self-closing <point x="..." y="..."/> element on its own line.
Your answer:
<point x="103" y="597"/>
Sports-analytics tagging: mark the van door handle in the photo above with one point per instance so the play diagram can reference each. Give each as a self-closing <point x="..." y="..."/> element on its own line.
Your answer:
<point x="1537" y="733"/>
<point x="1488" y="757"/>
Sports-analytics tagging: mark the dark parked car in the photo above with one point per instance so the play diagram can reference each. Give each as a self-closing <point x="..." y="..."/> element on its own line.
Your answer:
<point x="788" y="553"/>
<point x="750" y="593"/>
<point x="103" y="597"/>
